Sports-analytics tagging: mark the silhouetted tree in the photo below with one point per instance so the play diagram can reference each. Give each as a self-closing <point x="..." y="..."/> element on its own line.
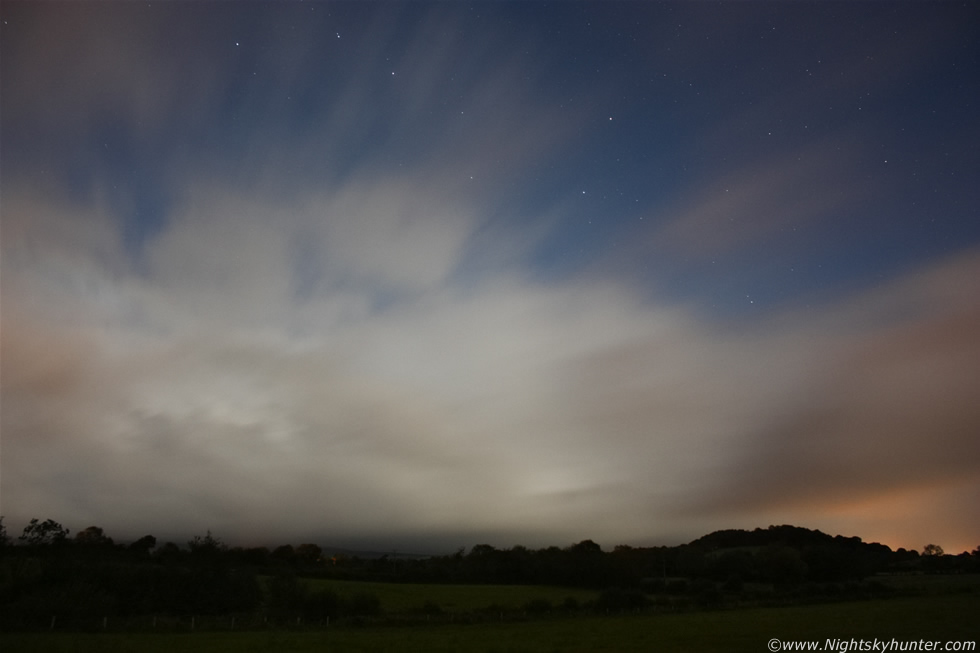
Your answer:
<point x="44" y="533"/>
<point x="734" y="566"/>
<point x="168" y="553"/>
<point x="934" y="559"/>
<point x="829" y="562"/>
<point x="92" y="536"/>
<point x="618" y="600"/>
<point x="782" y="565"/>
<point x="307" y="554"/>
<point x="206" y="544"/>
<point x="586" y="564"/>
<point x="207" y="550"/>
<point x="143" y="545"/>
<point x="690" y="561"/>
<point x="585" y="548"/>
<point x="256" y="556"/>
<point x="284" y="554"/>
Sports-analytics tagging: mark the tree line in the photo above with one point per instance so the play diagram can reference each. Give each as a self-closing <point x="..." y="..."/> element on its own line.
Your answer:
<point x="46" y="571"/>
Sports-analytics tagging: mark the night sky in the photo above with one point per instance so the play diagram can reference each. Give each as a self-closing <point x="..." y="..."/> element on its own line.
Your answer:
<point x="427" y="275"/>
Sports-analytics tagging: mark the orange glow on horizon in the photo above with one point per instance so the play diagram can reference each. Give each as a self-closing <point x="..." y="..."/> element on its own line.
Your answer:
<point x="901" y="518"/>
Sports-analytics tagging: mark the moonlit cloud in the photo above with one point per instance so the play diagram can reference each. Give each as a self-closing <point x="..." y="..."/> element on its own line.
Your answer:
<point x="886" y="410"/>
<point x="508" y="403"/>
<point x="754" y="203"/>
<point x="342" y="321"/>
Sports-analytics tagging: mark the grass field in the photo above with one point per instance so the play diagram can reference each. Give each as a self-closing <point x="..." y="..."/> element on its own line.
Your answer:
<point x="940" y="618"/>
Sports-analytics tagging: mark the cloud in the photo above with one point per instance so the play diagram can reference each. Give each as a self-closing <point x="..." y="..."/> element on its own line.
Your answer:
<point x="203" y="391"/>
<point x="760" y="202"/>
<point x="336" y="331"/>
<point x="293" y="344"/>
<point x="887" y="409"/>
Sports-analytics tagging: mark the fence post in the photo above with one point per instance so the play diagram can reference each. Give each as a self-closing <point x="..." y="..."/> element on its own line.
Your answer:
<point x="52" y="622"/>
<point x="105" y="622"/>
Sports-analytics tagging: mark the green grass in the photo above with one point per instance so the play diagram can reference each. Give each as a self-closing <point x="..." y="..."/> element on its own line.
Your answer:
<point x="932" y="618"/>
<point x="404" y="597"/>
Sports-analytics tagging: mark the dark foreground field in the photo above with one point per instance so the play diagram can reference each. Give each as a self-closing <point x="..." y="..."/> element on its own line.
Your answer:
<point x="935" y="618"/>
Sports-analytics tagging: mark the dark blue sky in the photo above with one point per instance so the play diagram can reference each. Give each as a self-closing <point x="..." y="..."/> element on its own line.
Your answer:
<point x="661" y="105"/>
<point x="702" y="212"/>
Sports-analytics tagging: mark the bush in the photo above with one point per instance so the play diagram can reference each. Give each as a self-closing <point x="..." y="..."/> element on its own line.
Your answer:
<point x="571" y="604"/>
<point x="676" y="587"/>
<point x="619" y="600"/>
<point x="706" y="594"/>
<point x="734" y="585"/>
<point x="321" y="604"/>
<point x="538" y="606"/>
<point x="286" y="595"/>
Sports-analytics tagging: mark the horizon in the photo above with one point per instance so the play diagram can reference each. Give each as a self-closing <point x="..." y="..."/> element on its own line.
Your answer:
<point x="428" y="546"/>
<point x="497" y="272"/>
